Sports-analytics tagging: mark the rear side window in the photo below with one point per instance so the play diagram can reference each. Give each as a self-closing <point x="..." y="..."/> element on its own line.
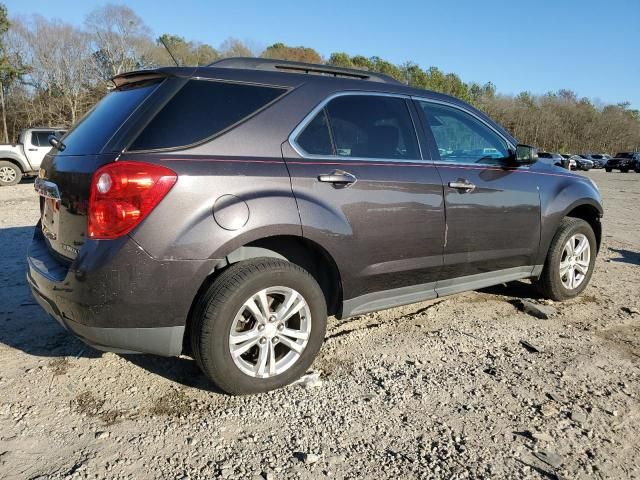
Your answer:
<point x="202" y="109"/>
<point x="362" y="126"/>
<point x="369" y="126"/>
<point x="41" y="139"/>
<point x="93" y="132"/>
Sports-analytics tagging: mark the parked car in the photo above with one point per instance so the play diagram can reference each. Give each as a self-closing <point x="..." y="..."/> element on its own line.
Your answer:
<point x="24" y="158"/>
<point x="557" y="159"/>
<point x="582" y="163"/>
<point x="225" y="211"/>
<point x="624" y="161"/>
<point x="598" y="160"/>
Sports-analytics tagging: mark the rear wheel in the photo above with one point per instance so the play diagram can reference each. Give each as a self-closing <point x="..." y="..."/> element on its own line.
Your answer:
<point x="607" y="170"/>
<point x="10" y="174"/>
<point x="259" y="326"/>
<point x="570" y="260"/>
<point x="624" y="170"/>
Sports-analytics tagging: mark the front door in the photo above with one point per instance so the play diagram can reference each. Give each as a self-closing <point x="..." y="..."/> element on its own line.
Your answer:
<point x="365" y="194"/>
<point x="492" y="208"/>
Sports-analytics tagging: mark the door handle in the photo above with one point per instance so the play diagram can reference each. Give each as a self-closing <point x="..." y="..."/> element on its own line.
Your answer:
<point x="33" y="149"/>
<point x="463" y="185"/>
<point x="338" y="177"/>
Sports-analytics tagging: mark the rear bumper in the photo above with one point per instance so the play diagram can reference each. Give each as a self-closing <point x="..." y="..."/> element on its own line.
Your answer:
<point x="115" y="297"/>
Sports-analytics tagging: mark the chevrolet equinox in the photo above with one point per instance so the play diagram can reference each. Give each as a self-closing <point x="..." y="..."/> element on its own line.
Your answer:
<point x="225" y="211"/>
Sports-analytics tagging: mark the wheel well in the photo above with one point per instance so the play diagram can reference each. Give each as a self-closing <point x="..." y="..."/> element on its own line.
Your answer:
<point x="591" y="215"/>
<point x="15" y="162"/>
<point x="305" y="253"/>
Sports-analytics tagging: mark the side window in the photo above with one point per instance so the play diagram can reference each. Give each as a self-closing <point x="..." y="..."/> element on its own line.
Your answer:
<point x="462" y="138"/>
<point x="372" y="126"/>
<point x="41" y="139"/>
<point x="316" y="138"/>
<point x="202" y="109"/>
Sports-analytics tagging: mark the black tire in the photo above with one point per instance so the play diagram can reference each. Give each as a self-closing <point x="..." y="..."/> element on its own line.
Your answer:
<point x="550" y="284"/>
<point x="637" y="170"/>
<point x="607" y="170"/>
<point x="14" y="174"/>
<point x="216" y="309"/>
<point x="624" y="170"/>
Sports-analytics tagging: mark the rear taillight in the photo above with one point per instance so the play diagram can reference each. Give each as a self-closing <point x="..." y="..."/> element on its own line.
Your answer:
<point x="122" y="194"/>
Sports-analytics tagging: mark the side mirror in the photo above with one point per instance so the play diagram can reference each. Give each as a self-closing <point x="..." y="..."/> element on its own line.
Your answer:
<point x="526" y="154"/>
<point x="56" y="143"/>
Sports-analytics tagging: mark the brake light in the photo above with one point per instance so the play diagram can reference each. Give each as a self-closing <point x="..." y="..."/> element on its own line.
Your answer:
<point x="123" y="194"/>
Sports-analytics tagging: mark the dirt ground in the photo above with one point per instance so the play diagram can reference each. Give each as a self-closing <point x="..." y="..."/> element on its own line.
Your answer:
<point x="466" y="386"/>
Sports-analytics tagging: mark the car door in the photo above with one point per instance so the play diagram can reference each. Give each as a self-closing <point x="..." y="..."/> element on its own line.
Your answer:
<point x="492" y="207"/>
<point x="365" y="194"/>
<point x="37" y="146"/>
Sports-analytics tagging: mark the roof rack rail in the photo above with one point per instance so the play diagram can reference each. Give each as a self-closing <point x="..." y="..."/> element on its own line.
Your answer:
<point x="248" y="63"/>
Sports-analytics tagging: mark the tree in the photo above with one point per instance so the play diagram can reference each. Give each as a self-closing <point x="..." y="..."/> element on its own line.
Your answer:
<point x="232" y="47"/>
<point x="281" y="51"/>
<point x="119" y="38"/>
<point x="10" y="69"/>
<point x="188" y="53"/>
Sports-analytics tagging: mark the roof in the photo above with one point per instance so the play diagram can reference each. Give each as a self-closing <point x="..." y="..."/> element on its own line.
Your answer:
<point x="247" y="63"/>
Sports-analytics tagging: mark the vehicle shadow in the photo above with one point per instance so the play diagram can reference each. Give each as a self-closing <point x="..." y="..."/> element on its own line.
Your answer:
<point x="182" y="370"/>
<point x="517" y="289"/>
<point x="626" y="256"/>
<point x="24" y="325"/>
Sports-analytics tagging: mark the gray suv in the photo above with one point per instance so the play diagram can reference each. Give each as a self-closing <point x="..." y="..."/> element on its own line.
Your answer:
<point x="225" y="211"/>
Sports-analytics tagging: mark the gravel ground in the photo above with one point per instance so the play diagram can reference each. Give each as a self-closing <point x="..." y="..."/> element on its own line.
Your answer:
<point x="467" y="386"/>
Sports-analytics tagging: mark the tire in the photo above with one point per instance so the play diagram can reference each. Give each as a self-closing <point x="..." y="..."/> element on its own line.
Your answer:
<point x="223" y="304"/>
<point x="10" y="174"/>
<point x="608" y="170"/>
<point x="550" y="284"/>
<point x="624" y="170"/>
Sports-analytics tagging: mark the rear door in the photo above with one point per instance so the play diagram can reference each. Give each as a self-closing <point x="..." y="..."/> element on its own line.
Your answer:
<point x="492" y="210"/>
<point x="365" y="194"/>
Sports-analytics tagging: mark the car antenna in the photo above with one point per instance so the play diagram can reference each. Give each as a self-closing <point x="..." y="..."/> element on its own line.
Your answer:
<point x="170" y="54"/>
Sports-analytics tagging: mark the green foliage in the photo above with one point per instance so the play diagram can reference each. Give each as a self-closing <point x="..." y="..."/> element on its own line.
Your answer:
<point x="281" y="51"/>
<point x="188" y="53"/>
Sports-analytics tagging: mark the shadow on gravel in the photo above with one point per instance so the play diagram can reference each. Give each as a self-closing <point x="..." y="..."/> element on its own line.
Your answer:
<point x="626" y="256"/>
<point x="516" y="289"/>
<point x="23" y="324"/>
<point x="181" y="370"/>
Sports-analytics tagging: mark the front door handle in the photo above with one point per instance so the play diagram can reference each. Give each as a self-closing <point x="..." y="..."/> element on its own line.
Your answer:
<point x="338" y="177"/>
<point x="464" y="185"/>
<point x="33" y="149"/>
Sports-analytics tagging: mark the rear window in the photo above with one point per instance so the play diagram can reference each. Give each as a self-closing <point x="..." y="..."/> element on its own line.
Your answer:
<point x="202" y="109"/>
<point x="92" y="133"/>
<point x="624" y="155"/>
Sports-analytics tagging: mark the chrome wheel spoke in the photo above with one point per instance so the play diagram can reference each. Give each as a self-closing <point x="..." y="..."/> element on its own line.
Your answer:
<point x="255" y="310"/>
<point x="238" y="350"/>
<point x="582" y="267"/>
<point x="564" y="268"/>
<point x="241" y="337"/>
<point x="293" y="306"/>
<point x="263" y="358"/>
<point x="292" y="344"/>
<point x="583" y="243"/>
<point x="297" y="334"/>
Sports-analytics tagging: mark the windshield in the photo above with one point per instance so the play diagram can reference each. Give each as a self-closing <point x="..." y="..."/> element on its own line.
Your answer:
<point x="91" y="134"/>
<point x="624" y="155"/>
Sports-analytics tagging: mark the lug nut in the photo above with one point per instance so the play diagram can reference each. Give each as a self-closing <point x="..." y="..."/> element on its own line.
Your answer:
<point x="280" y="327"/>
<point x="263" y="340"/>
<point x="272" y="318"/>
<point x="275" y="340"/>
<point x="260" y="327"/>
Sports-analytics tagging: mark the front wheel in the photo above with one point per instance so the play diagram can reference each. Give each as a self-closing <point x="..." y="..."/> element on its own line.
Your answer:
<point x="608" y="170"/>
<point x="570" y="260"/>
<point x="624" y="170"/>
<point x="10" y="174"/>
<point x="259" y="326"/>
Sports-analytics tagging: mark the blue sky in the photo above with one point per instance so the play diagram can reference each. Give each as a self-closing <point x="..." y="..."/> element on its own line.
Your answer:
<point x="589" y="46"/>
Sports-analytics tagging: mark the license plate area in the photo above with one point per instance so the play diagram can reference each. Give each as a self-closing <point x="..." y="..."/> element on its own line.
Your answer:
<point x="50" y="196"/>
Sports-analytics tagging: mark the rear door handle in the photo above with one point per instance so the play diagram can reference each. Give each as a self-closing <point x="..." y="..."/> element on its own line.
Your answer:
<point x="338" y="177"/>
<point x="464" y="185"/>
<point x="33" y="149"/>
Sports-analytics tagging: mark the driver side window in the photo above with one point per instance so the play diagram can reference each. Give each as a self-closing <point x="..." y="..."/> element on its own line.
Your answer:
<point x="461" y="138"/>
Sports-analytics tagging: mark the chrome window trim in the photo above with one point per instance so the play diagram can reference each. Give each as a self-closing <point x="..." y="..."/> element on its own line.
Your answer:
<point x="311" y="115"/>
<point x="468" y="112"/>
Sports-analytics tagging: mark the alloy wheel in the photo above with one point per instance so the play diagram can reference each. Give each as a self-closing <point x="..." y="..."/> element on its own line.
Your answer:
<point x="270" y="332"/>
<point x="575" y="261"/>
<point x="7" y="174"/>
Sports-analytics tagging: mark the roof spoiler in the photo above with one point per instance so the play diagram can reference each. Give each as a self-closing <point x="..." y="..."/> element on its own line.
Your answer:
<point x="137" y="76"/>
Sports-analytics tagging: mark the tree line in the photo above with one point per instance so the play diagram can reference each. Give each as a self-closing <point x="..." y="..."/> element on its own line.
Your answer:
<point x="52" y="73"/>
